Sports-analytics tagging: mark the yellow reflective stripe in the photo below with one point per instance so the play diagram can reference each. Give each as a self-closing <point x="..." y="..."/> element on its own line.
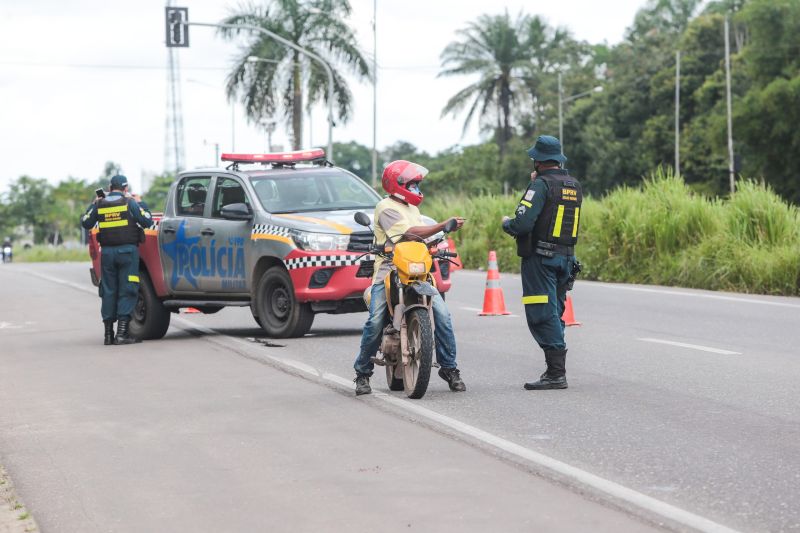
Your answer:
<point x="575" y="224"/>
<point x="114" y="224"/>
<point x="133" y="279"/>
<point x="559" y="218"/>
<point x="107" y="210"/>
<point x="538" y="299"/>
<point x="526" y="203"/>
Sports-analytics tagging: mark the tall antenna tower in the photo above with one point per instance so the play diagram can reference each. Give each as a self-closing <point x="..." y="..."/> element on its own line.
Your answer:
<point x="174" y="154"/>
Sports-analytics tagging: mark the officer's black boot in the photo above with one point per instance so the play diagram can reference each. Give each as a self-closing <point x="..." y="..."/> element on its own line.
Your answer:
<point x="109" y="336"/>
<point x="123" y="336"/>
<point x="555" y="377"/>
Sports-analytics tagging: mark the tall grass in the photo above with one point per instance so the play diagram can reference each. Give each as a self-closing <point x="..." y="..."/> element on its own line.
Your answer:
<point x="46" y="253"/>
<point x="660" y="233"/>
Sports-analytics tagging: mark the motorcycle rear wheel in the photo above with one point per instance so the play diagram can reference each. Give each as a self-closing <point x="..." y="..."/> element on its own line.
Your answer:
<point x="417" y="373"/>
<point x="394" y="378"/>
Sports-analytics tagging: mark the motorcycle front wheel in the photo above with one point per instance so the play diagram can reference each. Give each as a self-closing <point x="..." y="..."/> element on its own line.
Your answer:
<point x="417" y="372"/>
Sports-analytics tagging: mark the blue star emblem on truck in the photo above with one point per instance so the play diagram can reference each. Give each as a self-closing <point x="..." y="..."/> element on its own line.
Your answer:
<point x="179" y="251"/>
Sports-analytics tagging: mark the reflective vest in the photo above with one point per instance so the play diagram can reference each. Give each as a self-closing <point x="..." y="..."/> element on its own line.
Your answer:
<point x="115" y="224"/>
<point x="559" y="220"/>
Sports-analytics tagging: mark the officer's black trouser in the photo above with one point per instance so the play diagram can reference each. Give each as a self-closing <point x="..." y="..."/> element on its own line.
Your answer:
<point x="119" y="283"/>
<point x="544" y="293"/>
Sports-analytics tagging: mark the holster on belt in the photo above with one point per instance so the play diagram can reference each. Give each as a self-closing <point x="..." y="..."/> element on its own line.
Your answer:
<point x="549" y="249"/>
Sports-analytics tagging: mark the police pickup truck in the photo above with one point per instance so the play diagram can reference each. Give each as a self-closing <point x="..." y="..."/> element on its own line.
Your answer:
<point x="273" y="232"/>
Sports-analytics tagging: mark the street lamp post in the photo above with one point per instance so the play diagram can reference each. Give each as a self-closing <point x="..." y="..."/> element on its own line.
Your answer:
<point x="562" y="100"/>
<point x="294" y="46"/>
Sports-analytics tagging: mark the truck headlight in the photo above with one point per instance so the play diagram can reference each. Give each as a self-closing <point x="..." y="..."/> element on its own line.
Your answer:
<point x="317" y="242"/>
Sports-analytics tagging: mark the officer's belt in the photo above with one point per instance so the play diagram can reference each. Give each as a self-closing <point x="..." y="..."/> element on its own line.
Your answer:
<point x="549" y="249"/>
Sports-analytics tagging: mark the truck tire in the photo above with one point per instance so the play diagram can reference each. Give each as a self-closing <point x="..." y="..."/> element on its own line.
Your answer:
<point x="150" y="319"/>
<point x="279" y="312"/>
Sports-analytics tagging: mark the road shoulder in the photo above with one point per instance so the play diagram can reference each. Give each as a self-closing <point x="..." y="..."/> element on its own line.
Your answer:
<point x="14" y="518"/>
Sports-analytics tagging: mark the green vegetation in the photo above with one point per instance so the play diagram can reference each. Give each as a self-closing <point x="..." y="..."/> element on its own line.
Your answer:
<point x="48" y="254"/>
<point x="661" y="233"/>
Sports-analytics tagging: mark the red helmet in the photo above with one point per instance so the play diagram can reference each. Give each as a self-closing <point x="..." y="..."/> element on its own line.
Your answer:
<point x="398" y="176"/>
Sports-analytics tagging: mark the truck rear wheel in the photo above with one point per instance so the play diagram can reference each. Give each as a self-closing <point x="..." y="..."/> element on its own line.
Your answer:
<point x="150" y="319"/>
<point x="279" y="312"/>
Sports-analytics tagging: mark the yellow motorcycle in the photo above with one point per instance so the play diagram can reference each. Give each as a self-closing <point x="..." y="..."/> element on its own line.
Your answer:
<point x="408" y="341"/>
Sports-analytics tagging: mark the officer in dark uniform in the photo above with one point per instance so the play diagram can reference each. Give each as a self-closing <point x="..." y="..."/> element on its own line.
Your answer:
<point x="120" y="220"/>
<point x="546" y="230"/>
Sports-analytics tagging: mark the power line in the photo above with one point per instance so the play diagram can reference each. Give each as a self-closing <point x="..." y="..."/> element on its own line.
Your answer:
<point x="100" y="66"/>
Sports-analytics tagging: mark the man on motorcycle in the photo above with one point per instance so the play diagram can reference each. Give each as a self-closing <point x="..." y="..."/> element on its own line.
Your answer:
<point x="396" y="217"/>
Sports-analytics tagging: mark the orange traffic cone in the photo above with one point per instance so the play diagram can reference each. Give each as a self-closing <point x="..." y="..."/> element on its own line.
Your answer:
<point x="569" y="315"/>
<point x="458" y="264"/>
<point x="493" y="301"/>
<point x="191" y="310"/>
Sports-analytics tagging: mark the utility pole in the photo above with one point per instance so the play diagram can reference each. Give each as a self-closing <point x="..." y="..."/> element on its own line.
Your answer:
<point x="560" y="115"/>
<point x="731" y="167"/>
<point x="375" y="93"/>
<point x="678" y="112"/>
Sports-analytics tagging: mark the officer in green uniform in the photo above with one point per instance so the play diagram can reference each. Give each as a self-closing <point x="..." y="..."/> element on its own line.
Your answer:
<point x="546" y="230"/>
<point x="120" y="221"/>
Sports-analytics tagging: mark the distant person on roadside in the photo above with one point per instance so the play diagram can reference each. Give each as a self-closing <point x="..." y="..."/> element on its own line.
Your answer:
<point x="7" y="250"/>
<point x="546" y="230"/>
<point x="121" y="222"/>
<point x="398" y="216"/>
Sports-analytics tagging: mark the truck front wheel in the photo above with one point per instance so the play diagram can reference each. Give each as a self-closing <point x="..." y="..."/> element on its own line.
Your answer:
<point x="279" y="312"/>
<point x="150" y="319"/>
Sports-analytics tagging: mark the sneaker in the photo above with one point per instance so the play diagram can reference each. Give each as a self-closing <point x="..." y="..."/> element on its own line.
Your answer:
<point x="362" y="385"/>
<point x="453" y="378"/>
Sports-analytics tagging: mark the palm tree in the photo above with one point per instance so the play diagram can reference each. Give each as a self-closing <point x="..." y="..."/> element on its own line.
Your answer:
<point x="277" y="86"/>
<point x="513" y="59"/>
<point x="492" y="48"/>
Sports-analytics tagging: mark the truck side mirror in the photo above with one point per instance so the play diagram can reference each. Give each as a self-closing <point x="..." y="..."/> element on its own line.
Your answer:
<point x="236" y="212"/>
<point x="362" y="218"/>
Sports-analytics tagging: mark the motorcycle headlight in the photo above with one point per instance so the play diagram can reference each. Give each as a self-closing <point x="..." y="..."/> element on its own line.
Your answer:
<point x="317" y="242"/>
<point x="416" y="268"/>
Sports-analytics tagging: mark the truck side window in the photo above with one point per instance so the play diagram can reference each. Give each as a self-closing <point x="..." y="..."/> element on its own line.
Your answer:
<point x="191" y="196"/>
<point x="228" y="191"/>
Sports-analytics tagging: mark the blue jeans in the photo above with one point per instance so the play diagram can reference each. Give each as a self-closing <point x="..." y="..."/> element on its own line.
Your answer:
<point x="379" y="317"/>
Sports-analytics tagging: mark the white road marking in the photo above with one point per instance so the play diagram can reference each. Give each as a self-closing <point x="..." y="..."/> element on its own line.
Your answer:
<point x="692" y="346"/>
<point x="603" y="485"/>
<point x="477" y="310"/>
<point x="695" y="295"/>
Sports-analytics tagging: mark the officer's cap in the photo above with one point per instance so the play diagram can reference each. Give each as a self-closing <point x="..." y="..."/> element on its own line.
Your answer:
<point x="547" y="148"/>
<point x="119" y="182"/>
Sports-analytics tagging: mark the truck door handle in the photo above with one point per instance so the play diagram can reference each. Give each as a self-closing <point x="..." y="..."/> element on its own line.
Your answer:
<point x="168" y="229"/>
<point x="207" y="231"/>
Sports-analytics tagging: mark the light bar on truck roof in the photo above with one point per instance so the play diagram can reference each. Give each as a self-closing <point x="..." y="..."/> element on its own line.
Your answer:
<point x="277" y="157"/>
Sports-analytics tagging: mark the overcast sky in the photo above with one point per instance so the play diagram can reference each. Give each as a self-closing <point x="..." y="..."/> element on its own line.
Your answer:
<point x="85" y="81"/>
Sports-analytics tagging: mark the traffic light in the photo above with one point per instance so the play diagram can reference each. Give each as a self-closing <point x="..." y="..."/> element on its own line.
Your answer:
<point x="177" y="30"/>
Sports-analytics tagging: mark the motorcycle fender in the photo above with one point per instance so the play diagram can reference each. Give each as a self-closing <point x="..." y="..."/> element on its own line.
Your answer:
<point x="397" y="318"/>
<point x="423" y="288"/>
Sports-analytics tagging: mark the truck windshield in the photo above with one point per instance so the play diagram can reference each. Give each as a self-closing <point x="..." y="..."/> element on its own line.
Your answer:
<point x="324" y="191"/>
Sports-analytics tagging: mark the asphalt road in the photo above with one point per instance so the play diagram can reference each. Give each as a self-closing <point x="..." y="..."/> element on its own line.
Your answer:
<point x="688" y="398"/>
